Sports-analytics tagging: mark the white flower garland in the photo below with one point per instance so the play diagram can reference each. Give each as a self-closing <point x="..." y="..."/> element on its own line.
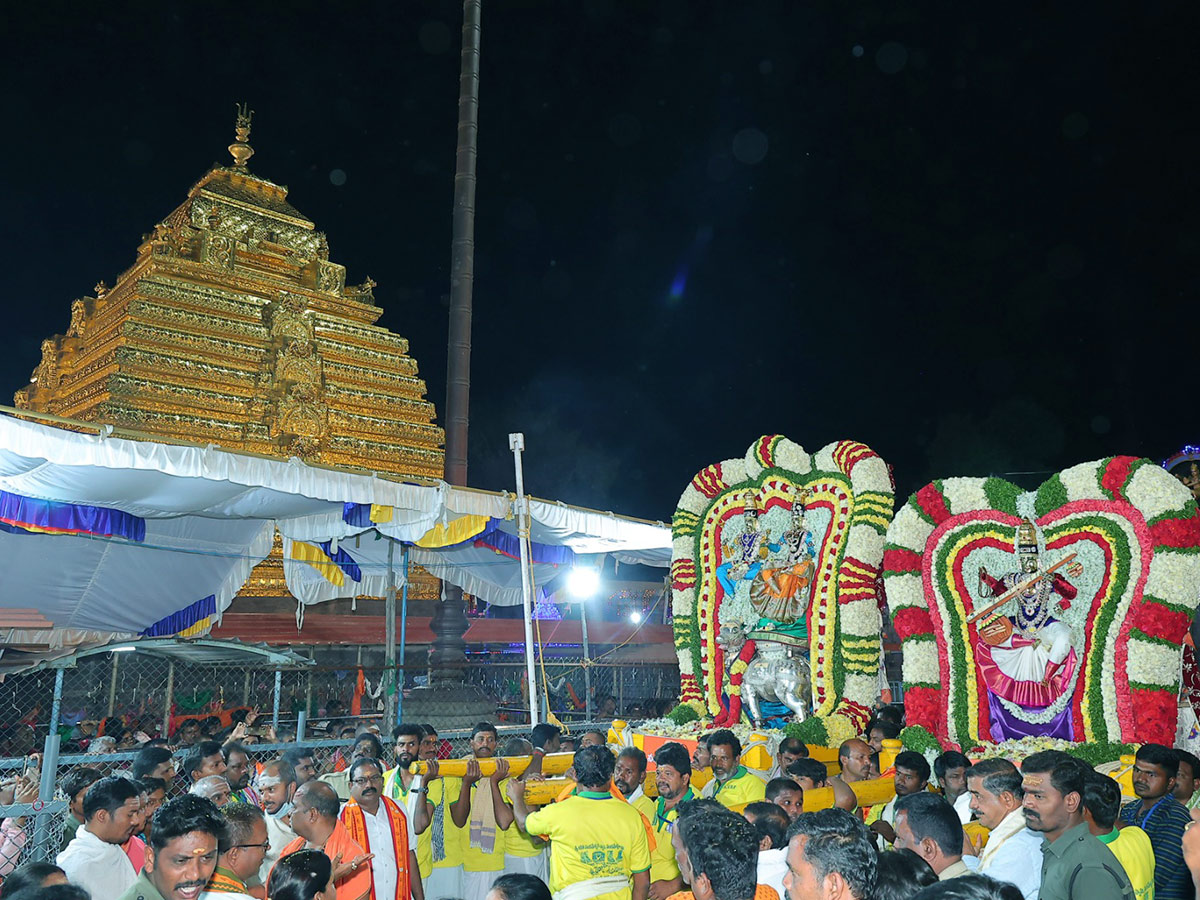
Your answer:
<point x="964" y="495"/>
<point x="1174" y="576"/>
<point x="1082" y="482"/>
<point x="908" y="530"/>
<point x="1155" y="491"/>
<point x="1147" y="662"/>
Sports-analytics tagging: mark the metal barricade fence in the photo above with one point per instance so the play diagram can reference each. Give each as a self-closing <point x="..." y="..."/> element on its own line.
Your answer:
<point x="116" y="695"/>
<point x="115" y="700"/>
<point x="34" y="830"/>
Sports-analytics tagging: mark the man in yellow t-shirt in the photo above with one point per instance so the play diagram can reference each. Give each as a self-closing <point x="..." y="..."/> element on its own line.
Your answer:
<point x="485" y="820"/>
<point x="598" y="846"/>
<point x="1130" y="845"/>
<point x="735" y="784"/>
<point x="525" y="854"/>
<point x="440" y="845"/>
<point x="673" y="778"/>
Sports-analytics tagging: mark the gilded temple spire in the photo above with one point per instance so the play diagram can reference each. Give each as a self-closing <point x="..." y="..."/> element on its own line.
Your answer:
<point x="240" y="148"/>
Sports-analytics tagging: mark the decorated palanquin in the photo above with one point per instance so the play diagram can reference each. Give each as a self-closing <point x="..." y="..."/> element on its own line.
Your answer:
<point x="1055" y="613"/>
<point x="774" y="574"/>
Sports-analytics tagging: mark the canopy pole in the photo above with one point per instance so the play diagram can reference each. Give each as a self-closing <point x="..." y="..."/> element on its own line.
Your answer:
<point x="389" y="637"/>
<point x="166" y="722"/>
<point x="587" y="661"/>
<point x="403" y="635"/>
<point x="41" y="828"/>
<point x="516" y="443"/>
<point x="112" y="683"/>
<point x="308" y="690"/>
<point x="56" y="705"/>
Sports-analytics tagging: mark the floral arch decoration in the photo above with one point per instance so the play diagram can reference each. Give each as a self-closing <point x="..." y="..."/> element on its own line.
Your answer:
<point x="846" y="496"/>
<point x="1131" y="535"/>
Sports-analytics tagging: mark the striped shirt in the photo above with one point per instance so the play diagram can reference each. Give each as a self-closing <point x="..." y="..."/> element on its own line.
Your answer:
<point x="1164" y="824"/>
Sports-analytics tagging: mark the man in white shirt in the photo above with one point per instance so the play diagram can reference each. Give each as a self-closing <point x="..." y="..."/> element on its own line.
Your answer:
<point x="277" y="783"/>
<point x="94" y="859"/>
<point x="1013" y="853"/>
<point x="771" y="823"/>
<point x="381" y="827"/>
<point x="951" y="771"/>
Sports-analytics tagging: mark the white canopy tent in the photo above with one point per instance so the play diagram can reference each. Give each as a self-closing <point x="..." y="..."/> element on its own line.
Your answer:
<point x="101" y="533"/>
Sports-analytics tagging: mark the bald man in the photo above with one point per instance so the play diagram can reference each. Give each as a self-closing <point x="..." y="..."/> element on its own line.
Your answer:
<point x="315" y="821"/>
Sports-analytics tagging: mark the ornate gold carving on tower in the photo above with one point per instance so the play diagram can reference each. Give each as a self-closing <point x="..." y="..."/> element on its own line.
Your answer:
<point x="294" y="379"/>
<point x="46" y="375"/>
<point x="79" y="316"/>
<point x="234" y="327"/>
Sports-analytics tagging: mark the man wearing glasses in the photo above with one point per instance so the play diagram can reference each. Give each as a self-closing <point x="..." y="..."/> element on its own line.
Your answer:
<point x="380" y="826"/>
<point x="248" y="844"/>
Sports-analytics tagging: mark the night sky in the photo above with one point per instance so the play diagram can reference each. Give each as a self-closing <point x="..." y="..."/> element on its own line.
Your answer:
<point x="968" y="239"/>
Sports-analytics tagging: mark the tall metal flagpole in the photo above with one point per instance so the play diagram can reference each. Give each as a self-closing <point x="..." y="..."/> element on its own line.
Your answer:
<point x="448" y="656"/>
<point x="462" y="253"/>
<point x="516" y="443"/>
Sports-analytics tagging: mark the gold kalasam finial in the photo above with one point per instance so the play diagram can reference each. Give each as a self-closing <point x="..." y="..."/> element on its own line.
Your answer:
<point x="241" y="150"/>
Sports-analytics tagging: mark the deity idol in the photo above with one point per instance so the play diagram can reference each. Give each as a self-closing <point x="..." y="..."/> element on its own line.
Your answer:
<point x="745" y="554"/>
<point x="780" y="591"/>
<point x="1027" y="657"/>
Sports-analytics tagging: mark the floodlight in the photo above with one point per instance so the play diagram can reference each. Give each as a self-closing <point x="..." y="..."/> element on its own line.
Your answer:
<point x="583" y="582"/>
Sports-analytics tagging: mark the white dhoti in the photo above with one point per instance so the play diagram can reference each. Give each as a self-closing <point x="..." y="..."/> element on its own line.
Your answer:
<point x="593" y="887"/>
<point x="445" y="883"/>
<point x="477" y="884"/>
<point x="528" y="865"/>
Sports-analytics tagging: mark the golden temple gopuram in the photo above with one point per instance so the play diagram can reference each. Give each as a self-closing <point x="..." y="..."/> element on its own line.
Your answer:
<point x="233" y="327"/>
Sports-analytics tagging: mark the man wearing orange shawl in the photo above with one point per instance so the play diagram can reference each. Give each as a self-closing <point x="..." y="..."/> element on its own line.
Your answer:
<point x="380" y="826"/>
<point x="315" y="821"/>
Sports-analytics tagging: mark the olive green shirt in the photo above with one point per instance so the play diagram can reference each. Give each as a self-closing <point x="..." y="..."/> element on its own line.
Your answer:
<point x="70" y="826"/>
<point x="142" y="889"/>
<point x="1079" y="867"/>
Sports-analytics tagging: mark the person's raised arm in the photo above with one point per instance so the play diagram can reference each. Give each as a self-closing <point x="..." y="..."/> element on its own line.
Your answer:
<point x="504" y="813"/>
<point x="520" y="809"/>
<point x="423" y="808"/>
<point x="460" y="809"/>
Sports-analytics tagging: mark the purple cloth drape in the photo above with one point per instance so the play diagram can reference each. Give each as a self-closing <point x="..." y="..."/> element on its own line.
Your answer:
<point x="184" y="619"/>
<point x="1006" y="727"/>
<point x="72" y="518"/>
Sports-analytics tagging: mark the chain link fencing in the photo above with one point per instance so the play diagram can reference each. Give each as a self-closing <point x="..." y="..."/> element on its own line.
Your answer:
<point x="93" y="713"/>
<point x="33" y="830"/>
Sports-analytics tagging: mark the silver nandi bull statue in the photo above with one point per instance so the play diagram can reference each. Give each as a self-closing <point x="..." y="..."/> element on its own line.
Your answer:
<point x="776" y="672"/>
